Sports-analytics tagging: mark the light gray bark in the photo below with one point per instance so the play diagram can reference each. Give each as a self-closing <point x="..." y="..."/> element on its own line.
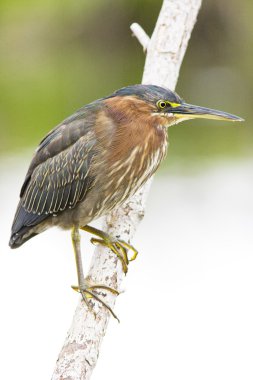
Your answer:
<point x="165" y="51"/>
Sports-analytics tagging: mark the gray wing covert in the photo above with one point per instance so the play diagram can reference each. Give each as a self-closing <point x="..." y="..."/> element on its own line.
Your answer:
<point x="61" y="181"/>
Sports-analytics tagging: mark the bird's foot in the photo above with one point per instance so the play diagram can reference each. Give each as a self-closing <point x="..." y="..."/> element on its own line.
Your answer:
<point x="119" y="247"/>
<point x="87" y="292"/>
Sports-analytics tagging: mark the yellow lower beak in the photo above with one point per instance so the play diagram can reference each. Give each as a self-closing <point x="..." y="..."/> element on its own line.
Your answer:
<point x="189" y="111"/>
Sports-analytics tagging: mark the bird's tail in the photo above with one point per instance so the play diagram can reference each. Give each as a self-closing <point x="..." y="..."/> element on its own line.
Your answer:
<point x="24" y="226"/>
<point x="19" y="238"/>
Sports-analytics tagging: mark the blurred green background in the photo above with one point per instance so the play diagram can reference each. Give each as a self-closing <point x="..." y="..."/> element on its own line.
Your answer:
<point x="55" y="56"/>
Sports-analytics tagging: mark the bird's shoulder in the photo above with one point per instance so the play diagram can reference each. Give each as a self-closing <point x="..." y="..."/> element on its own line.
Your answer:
<point x="64" y="136"/>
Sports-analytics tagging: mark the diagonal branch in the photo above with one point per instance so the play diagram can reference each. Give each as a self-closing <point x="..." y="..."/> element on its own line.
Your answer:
<point x="141" y="35"/>
<point x="165" y="52"/>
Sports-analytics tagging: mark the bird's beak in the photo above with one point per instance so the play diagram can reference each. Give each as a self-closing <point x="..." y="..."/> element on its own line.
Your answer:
<point x="188" y="111"/>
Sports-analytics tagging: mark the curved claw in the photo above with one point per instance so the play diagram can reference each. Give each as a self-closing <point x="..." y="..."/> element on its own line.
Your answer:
<point x="85" y="296"/>
<point x="123" y="250"/>
<point x="112" y="290"/>
<point x="88" y="293"/>
<point x="131" y="248"/>
<point x="78" y="290"/>
<point x="119" y="247"/>
<point x="119" y="252"/>
<point x="75" y="288"/>
<point x="92" y="294"/>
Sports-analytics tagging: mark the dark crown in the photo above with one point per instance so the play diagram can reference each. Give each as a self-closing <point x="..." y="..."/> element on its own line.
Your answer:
<point x="149" y="93"/>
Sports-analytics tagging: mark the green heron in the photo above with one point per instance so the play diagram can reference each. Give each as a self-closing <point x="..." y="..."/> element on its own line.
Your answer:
<point x="96" y="159"/>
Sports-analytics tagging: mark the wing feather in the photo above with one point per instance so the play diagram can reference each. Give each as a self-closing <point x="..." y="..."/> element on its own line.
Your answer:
<point x="57" y="184"/>
<point x="63" y="136"/>
<point x="59" y="175"/>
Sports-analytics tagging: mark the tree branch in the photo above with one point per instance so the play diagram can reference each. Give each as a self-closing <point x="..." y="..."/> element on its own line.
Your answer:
<point x="165" y="52"/>
<point x="141" y="35"/>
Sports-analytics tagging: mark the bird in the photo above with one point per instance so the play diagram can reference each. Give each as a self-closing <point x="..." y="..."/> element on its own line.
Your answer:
<point x="93" y="162"/>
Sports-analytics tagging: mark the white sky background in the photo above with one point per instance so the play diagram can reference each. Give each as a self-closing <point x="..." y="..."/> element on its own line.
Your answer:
<point x="187" y="312"/>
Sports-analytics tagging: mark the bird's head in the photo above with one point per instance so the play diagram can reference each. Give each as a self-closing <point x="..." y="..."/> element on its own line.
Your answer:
<point x="168" y="106"/>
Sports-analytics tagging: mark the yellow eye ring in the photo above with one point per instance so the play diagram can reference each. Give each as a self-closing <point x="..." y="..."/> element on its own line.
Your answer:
<point x="161" y="104"/>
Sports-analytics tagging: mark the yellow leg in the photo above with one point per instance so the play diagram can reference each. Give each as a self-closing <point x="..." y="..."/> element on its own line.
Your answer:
<point x="84" y="287"/>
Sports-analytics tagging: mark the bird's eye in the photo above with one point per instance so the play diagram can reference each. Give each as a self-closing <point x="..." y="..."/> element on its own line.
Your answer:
<point x="161" y="104"/>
